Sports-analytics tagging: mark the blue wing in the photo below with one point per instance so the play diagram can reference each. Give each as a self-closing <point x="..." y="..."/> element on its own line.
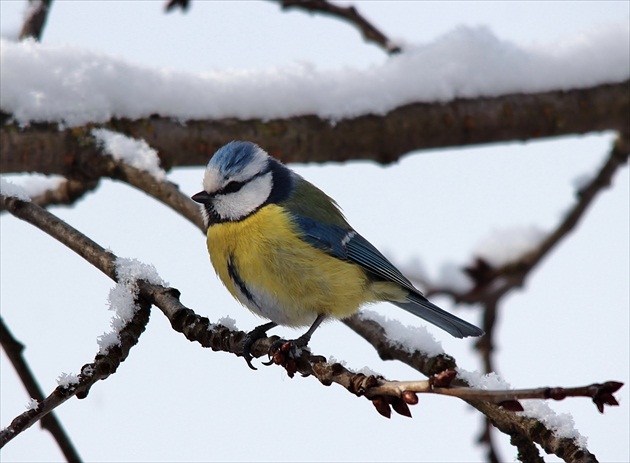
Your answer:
<point x="345" y="243"/>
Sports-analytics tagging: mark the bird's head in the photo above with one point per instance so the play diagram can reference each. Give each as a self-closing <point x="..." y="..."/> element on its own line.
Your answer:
<point x="240" y="179"/>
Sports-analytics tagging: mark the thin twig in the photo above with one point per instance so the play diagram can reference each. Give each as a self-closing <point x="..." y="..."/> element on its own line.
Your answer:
<point x="101" y="368"/>
<point x="601" y="394"/>
<point x="348" y="13"/>
<point x="492" y="283"/>
<point x="14" y="350"/>
<point x="35" y="19"/>
<point x="104" y="364"/>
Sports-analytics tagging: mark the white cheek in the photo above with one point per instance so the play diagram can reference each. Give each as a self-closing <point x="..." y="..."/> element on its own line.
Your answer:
<point x="235" y="206"/>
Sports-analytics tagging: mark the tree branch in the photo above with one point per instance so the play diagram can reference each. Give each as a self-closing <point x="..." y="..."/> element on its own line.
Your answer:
<point x="42" y="147"/>
<point x="102" y="367"/>
<point x="490" y="284"/>
<point x="105" y="363"/>
<point x="14" y="349"/>
<point x="219" y="337"/>
<point x="35" y="20"/>
<point x="349" y="14"/>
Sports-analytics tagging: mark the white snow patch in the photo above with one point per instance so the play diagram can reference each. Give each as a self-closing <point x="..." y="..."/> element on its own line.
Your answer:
<point x="477" y="380"/>
<point x="367" y="371"/>
<point x="122" y="297"/>
<point x="64" y="83"/>
<point x="11" y="189"/>
<point x="137" y="153"/>
<point x="228" y="322"/>
<point x="67" y="379"/>
<point x="501" y="247"/>
<point x="408" y="338"/>
<point x="38" y="184"/>
<point x="32" y="404"/>
<point x="333" y="359"/>
<point x="562" y="424"/>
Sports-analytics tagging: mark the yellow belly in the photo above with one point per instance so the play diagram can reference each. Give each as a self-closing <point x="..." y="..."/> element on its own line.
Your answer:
<point x="291" y="282"/>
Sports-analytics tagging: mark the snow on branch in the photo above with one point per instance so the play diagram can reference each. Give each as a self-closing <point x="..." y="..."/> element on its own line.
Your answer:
<point x="384" y="139"/>
<point x="464" y="63"/>
<point x="385" y="395"/>
<point x="136" y="153"/>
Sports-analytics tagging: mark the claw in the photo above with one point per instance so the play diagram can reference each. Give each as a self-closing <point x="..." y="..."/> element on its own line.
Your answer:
<point x="247" y="355"/>
<point x="273" y="352"/>
<point x="250" y="338"/>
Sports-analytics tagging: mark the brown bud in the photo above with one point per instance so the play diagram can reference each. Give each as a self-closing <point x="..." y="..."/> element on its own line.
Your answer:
<point x="401" y="407"/>
<point x="444" y="378"/>
<point x="382" y="406"/>
<point x="410" y="397"/>
<point x="511" y="405"/>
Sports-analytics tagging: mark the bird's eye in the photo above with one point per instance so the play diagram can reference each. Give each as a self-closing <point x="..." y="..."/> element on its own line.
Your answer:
<point x="232" y="187"/>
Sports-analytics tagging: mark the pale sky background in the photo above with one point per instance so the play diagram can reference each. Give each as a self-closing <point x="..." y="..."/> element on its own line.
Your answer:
<point x="174" y="401"/>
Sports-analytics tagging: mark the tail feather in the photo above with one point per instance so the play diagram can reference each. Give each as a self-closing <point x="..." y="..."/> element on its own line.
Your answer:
<point x="423" y="308"/>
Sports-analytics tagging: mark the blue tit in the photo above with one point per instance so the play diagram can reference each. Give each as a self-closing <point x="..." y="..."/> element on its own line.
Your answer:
<point x="283" y="249"/>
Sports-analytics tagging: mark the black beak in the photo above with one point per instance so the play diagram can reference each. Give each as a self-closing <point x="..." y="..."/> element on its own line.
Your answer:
<point x="201" y="197"/>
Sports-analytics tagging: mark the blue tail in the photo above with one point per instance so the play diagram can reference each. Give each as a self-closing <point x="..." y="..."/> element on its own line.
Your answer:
<point x="421" y="307"/>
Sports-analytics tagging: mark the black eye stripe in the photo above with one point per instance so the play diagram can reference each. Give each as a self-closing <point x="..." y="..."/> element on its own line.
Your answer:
<point x="232" y="187"/>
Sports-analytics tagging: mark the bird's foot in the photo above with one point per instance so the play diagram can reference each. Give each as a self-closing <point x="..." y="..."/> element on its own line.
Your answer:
<point x="250" y="338"/>
<point x="285" y="353"/>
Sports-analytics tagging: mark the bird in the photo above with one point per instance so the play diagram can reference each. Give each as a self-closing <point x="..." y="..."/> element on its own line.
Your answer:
<point x="284" y="249"/>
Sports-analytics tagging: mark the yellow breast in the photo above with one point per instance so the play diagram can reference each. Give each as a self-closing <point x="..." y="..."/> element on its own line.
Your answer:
<point x="289" y="281"/>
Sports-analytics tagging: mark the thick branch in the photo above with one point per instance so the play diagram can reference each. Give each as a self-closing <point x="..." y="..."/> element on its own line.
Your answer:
<point x="43" y="148"/>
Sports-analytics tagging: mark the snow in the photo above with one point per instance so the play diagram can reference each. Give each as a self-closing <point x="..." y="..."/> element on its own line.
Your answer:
<point x="122" y="297"/>
<point x="501" y="247"/>
<point x="11" y="189"/>
<point x="69" y="84"/>
<point x="561" y="424"/>
<point x="477" y="380"/>
<point x="32" y="404"/>
<point x="366" y="370"/>
<point x="67" y="379"/>
<point x="228" y="322"/>
<point x="137" y="153"/>
<point x="38" y="184"/>
<point x="408" y="338"/>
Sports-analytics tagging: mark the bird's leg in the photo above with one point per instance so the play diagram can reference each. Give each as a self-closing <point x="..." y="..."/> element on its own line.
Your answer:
<point x="250" y="338"/>
<point x="303" y="340"/>
<point x="288" y="347"/>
